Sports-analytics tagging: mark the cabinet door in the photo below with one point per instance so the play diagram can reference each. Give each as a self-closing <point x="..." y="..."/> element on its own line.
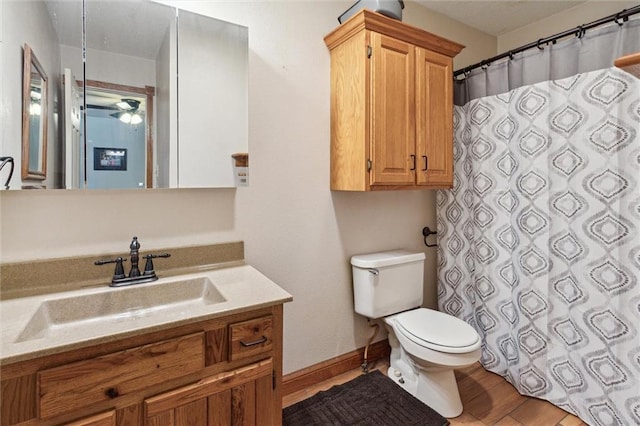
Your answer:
<point x="434" y="118"/>
<point x="104" y="419"/>
<point x="241" y="397"/>
<point x="392" y="111"/>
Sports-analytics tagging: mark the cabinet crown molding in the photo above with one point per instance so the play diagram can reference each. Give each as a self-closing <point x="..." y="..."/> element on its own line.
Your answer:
<point x="368" y="20"/>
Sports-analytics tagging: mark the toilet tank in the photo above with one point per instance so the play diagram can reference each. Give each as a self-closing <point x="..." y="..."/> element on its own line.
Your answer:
<point x="388" y="282"/>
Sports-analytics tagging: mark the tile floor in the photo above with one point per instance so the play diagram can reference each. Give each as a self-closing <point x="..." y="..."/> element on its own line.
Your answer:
<point x="487" y="398"/>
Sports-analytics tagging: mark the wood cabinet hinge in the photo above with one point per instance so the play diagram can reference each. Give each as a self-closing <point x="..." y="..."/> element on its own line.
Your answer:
<point x="369" y="51"/>
<point x="369" y="165"/>
<point x="273" y="378"/>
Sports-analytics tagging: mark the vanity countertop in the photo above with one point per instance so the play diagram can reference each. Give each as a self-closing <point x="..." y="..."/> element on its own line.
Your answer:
<point x="38" y="325"/>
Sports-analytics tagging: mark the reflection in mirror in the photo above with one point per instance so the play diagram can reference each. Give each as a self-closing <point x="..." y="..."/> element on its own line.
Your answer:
<point x="133" y="44"/>
<point x="213" y="120"/>
<point x="118" y="119"/>
<point x="34" y="118"/>
<point x="128" y="45"/>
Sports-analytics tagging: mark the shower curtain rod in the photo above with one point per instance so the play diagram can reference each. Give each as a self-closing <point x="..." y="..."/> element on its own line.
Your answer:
<point x="619" y="18"/>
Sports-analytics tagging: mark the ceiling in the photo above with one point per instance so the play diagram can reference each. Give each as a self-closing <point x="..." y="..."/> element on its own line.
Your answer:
<point x="135" y="30"/>
<point x="103" y="98"/>
<point x="497" y="17"/>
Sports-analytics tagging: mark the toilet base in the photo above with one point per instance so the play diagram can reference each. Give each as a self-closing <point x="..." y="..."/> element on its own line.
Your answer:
<point x="428" y="374"/>
<point x="437" y="389"/>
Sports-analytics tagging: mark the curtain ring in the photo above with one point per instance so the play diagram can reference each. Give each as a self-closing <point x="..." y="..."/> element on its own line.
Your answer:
<point x="538" y="44"/>
<point x="580" y="31"/>
<point x="617" y="18"/>
<point x="511" y="55"/>
<point x="620" y="21"/>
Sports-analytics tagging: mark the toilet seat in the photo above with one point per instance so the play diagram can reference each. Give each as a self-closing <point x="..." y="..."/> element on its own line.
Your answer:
<point x="437" y="331"/>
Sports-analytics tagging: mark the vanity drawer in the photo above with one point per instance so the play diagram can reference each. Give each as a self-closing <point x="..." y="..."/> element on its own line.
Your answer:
<point x="248" y="338"/>
<point x="82" y="383"/>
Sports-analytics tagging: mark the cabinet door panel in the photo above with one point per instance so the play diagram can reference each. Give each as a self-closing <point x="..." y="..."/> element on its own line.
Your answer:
<point x="220" y="409"/>
<point x="393" y="111"/>
<point x="434" y="118"/>
<point x="243" y="405"/>
<point x="163" y="419"/>
<point x="104" y="419"/>
<point x="265" y="394"/>
<point x="194" y="413"/>
<point x="128" y="416"/>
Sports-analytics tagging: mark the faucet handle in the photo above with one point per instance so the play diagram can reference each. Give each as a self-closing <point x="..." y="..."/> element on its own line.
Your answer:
<point x="119" y="272"/>
<point x="135" y="245"/>
<point x="148" y="266"/>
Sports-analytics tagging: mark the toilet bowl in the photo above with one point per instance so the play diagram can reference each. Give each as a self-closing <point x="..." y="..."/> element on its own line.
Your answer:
<point x="426" y="345"/>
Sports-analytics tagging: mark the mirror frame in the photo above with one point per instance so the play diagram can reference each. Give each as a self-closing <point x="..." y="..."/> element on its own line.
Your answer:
<point x="32" y="66"/>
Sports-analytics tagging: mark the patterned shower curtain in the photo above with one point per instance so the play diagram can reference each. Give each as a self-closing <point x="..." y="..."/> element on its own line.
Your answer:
<point x="539" y="240"/>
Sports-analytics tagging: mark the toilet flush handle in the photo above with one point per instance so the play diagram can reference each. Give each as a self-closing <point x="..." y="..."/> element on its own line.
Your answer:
<point x="373" y="271"/>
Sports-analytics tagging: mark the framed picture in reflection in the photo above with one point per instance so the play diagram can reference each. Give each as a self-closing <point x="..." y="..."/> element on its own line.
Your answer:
<point x="109" y="159"/>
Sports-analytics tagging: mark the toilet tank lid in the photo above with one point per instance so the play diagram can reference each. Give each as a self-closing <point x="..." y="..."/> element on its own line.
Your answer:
<point x="386" y="258"/>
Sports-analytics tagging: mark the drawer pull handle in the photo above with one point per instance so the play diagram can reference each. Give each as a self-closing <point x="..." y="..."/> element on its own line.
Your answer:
<point x="112" y="393"/>
<point x="254" y="343"/>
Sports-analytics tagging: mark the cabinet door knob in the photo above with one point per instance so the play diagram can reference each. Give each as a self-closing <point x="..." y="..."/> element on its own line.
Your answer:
<point x="413" y="159"/>
<point x="112" y="393"/>
<point x="426" y="163"/>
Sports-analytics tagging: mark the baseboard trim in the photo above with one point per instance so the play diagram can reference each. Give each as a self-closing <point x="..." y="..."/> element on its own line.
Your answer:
<point x="316" y="373"/>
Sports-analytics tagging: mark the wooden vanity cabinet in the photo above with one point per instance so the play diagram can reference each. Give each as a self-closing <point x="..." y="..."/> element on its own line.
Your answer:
<point x="223" y="371"/>
<point x="391" y="105"/>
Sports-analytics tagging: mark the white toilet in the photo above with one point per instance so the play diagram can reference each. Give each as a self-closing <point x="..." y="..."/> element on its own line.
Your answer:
<point x="426" y="345"/>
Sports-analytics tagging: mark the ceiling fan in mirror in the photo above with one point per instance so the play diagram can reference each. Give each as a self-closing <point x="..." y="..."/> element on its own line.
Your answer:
<point x="128" y="111"/>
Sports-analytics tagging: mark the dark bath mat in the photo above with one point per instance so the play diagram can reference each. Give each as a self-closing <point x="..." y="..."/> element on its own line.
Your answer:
<point x="368" y="400"/>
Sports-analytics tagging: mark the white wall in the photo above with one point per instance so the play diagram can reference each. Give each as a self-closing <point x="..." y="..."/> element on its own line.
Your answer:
<point x="28" y="22"/>
<point x="71" y="57"/>
<point x="110" y="67"/>
<point x="584" y="13"/>
<point x="296" y="231"/>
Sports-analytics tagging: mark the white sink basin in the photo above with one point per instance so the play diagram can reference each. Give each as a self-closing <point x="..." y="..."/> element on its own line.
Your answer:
<point x="99" y="310"/>
<point x="55" y="322"/>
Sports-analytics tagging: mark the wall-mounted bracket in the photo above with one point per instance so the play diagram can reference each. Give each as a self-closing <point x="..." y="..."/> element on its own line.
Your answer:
<point x="426" y="231"/>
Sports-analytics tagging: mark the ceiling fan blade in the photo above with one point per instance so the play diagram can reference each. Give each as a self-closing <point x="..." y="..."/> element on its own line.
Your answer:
<point x="107" y="107"/>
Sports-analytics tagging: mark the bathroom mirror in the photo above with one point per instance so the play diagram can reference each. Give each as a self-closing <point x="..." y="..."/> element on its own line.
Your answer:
<point x="34" y="117"/>
<point x="213" y="99"/>
<point x="125" y="94"/>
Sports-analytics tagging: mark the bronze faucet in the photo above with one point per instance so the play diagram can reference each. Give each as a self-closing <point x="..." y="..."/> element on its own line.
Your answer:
<point x="120" y="279"/>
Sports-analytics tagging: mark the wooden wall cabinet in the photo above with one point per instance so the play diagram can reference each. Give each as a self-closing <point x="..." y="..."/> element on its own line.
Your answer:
<point x="391" y="105"/>
<point x="223" y="371"/>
